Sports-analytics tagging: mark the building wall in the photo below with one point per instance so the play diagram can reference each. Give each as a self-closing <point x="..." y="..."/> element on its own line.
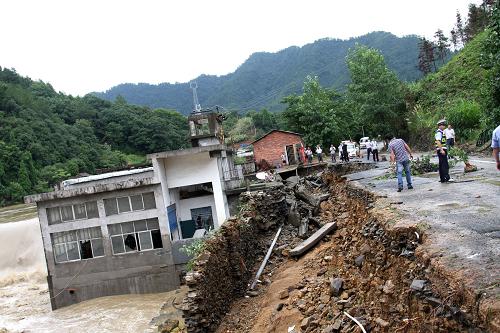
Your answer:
<point x="185" y="206"/>
<point x="133" y="272"/>
<point x="185" y="170"/>
<point x="273" y="145"/>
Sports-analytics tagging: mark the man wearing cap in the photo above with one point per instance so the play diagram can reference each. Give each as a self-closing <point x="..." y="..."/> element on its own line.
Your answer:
<point x="442" y="154"/>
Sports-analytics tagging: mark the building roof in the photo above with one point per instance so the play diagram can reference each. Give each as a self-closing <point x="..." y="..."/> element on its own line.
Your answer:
<point x="69" y="191"/>
<point x="189" y="151"/>
<point x="92" y="178"/>
<point x="262" y="137"/>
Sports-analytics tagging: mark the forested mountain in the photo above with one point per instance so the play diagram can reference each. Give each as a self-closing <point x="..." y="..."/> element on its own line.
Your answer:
<point x="47" y="136"/>
<point x="265" y="78"/>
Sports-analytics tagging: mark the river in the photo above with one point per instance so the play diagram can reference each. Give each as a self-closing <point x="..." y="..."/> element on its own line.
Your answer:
<point x="25" y="300"/>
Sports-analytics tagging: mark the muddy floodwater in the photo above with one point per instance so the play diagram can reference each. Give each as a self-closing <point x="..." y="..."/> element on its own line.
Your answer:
<point x="25" y="300"/>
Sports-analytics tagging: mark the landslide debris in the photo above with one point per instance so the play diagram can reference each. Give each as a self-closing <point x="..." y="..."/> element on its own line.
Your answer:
<point x="364" y="269"/>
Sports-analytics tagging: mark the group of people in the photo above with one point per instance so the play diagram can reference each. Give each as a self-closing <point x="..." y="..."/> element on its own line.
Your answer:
<point x="372" y="148"/>
<point x="401" y="155"/>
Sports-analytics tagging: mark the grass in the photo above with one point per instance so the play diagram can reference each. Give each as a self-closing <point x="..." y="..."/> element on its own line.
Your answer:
<point x="18" y="212"/>
<point x="133" y="159"/>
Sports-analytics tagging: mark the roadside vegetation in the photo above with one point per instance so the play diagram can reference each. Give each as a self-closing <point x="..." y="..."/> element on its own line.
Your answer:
<point x="47" y="136"/>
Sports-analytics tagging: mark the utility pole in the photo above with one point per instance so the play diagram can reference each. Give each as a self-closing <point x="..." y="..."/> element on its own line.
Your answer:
<point x="196" y="105"/>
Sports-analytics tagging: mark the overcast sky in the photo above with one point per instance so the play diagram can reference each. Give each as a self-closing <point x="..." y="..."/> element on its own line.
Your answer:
<point x="81" y="46"/>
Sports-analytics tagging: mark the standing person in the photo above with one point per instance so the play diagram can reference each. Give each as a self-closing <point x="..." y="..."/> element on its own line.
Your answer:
<point x="333" y="153"/>
<point x="495" y="144"/>
<point x="374" y="150"/>
<point x="319" y="152"/>
<point x="309" y="154"/>
<point x="341" y="153"/>
<point x="302" y="154"/>
<point x="283" y="158"/>
<point x="368" y="149"/>
<point x="450" y="137"/>
<point x="440" y="139"/>
<point x="344" y="152"/>
<point x="399" y="154"/>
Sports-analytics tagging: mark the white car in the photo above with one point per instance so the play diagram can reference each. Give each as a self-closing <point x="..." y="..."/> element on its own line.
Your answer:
<point x="352" y="148"/>
<point x="363" y="141"/>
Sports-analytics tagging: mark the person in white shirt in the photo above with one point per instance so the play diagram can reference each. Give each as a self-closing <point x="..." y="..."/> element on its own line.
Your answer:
<point x="450" y="137"/>
<point x="374" y="150"/>
<point x="332" y="153"/>
<point x="368" y="149"/>
<point x="319" y="152"/>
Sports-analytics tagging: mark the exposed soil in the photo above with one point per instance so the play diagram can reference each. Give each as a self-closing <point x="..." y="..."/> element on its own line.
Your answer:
<point x="383" y="284"/>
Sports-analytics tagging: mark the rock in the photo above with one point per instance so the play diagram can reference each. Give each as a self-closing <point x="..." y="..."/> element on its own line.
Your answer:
<point x="328" y="258"/>
<point x="359" y="261"/>
<point x="328" y="329"/>
<point x="336" y="286"/>
<point x="344" y="295"/>
<point x="168" y="326"/>
<point x="279" y="307"/>
<point x="337" y="324"/>
<point x="294" y="217"/>
<point x="322" y="271"/>
<point x="418" y="285"/>
<point x="381" y="322"/>
<point x="293" y="180"/>
<point x="284" y="294"/>
<point x="305" y="323"/>
<point x="365" y="249"/>
<point x="388" y="287"/>
<point x="324" y="298"/>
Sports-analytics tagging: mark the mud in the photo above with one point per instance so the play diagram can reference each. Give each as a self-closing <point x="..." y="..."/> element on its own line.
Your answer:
<point x="386" y="282"/>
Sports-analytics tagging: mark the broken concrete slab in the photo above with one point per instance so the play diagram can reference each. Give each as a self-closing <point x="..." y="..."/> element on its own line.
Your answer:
<point x="313" y="240"/>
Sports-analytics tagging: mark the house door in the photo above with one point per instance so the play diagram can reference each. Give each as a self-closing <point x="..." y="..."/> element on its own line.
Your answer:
<point x="172" y="221"/>
<point x="290" y="154"/>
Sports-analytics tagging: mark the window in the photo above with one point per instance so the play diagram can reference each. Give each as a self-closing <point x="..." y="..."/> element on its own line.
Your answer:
<point x="77" y="244"/>
<point x="202" y="218"/>
<point x="83" y="211"/>
<point x="137" y="202"/>
<point x="135" y="236"/>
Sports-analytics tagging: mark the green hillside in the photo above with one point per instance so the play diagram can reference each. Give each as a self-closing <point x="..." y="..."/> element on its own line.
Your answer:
<point x="461" y="91"/>
<point x="265" y="78"/>
<point x="47" y="136"/>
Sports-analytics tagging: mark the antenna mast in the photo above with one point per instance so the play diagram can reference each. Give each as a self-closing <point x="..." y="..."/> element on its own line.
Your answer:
<point x="196" y="105"/>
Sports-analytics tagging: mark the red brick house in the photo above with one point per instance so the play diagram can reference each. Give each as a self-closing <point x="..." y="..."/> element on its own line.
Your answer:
<point x="270" y="147"/>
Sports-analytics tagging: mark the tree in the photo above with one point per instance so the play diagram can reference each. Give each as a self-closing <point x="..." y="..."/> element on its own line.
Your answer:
<point x="459" y="30"/>
<point x="477" y="21"/>
<point x="424" y="63"/>
<point x="243" y="130"/>
<point x="491" y="61"/>
<point x="375" y="93"/>
<point x="319" y="114"/>
<point x="442" y="45"/>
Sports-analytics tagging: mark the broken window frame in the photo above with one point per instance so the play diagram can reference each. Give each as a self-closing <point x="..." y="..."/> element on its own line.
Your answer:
<point x="144" y="206"/>
<point x="74" y="238"/>
<point x="152" y="226"/>
<point x="59" y="209"/>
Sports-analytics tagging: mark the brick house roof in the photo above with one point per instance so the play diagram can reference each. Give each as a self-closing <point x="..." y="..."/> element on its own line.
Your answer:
<point x="262" y="137"/>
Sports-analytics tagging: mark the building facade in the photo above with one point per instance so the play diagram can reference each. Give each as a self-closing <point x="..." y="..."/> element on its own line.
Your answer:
<point x="271" y="146"/>
<point x="121" y="232"/>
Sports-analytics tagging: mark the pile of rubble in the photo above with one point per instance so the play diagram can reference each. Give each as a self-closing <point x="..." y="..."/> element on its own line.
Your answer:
<point x="363" y="277"/>
<point x="222" y="272"/>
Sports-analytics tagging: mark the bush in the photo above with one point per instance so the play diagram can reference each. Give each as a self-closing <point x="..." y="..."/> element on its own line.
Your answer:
<point x="465" y="117"/>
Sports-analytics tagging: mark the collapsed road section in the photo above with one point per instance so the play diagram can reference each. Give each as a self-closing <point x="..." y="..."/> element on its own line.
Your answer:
<point x="365" y="276"/>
